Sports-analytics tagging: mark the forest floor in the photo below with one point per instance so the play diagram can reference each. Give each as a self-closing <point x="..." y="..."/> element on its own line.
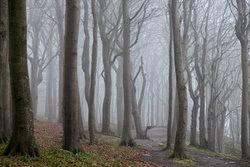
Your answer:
<point x="107" y="152"/>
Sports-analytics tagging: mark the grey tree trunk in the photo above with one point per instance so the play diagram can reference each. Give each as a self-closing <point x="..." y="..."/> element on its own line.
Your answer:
<point x="120" y="96"/>
<point x="71" y="101"/>
<point x="175" y="119"/>
<point x="60" y="27"/>
<point x="136" y="106"/>
<point x="170" y="97"/>
<point x="106" y="56"/>
<point x="22" y="140"/>
<point x="126" y="138"/>
<point x="242" y="31"/>
<point x="179" y="148"/>
<point x="152" y="106"/>
<point x="221" y="127"/>
<point x="93" y="76"/>
<point x="85" y="53"/>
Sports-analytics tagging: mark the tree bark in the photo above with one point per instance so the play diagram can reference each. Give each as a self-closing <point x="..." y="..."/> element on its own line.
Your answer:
<point x="22" y="140"/>
<point x="242" y="32"/>
<point x="170" y="97"/>
<point x="71" y="101"/>
<point x="93" y="76"/>
<point x="120" y="96"/>
<point x="179" y="148"/>
<point x="3" y="55"/>
<point x="106" y="56"/>
<point x="126" y="138"/>
<point x="60" y="27"/>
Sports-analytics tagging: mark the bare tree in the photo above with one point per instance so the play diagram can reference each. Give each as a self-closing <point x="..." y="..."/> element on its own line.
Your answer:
<point x="93" y="75"/>
<point x="170" y="77"/>
<point x="242" y="28"/>
<point x="71" y="101"/>
<point x="22" y="140"/>
<point x="126" y="138"/>
<point x="59" y="8"/>
<point x="179" y="148"/>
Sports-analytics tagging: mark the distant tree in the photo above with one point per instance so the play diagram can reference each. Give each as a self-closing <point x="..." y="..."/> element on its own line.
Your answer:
<point x="179" y="148"/>
<point x="59" y="9"/>
<point x="107" y="35"/>
<point x="85" y="53"/>
<point x="51" y="92"/>
<point x="71" y="101"/>
<point x="136" y="106"/>
<point x="22" y="139"/>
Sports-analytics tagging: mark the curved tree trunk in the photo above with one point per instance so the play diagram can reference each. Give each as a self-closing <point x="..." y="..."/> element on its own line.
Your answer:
<point x="140" y="134"/>
<point x="22" y="139"/>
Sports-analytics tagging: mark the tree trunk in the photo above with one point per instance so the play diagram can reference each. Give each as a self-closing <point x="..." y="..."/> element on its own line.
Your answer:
<point x="152" y="106"/>
<point x="211" y="127"/>
<point x="93" y="76"/>
<point x="71" y="101"/>
<point x="242" y="32"/>
<point x="106" y="57"/>
<point x="170" y="97"/>
<point x="220" y="130"/>
<point x="119" y="98"/>
<point x="22" y="139"/>
<point x="50" y="110"/>
<point x="179" y="148"/>
<point x="3" y="55"/>
<point x="175" y="119"/>
<point x="193" y="141"/>
<point x="136" y="115"/>
<point x="244" y="114"/>
<point x="107" y="100"/>
<point x="6" y="101"/>
<point x="126" y="138"/>
<point x="60" y="27"/>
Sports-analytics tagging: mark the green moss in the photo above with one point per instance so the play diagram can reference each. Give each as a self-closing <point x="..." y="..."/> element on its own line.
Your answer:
<point x="62" y="158"/>
<point x="185" y="162"/>
<point x="52" y="157"/>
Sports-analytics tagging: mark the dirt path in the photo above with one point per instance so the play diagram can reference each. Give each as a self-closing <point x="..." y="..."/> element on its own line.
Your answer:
<point x="197" y="157"/>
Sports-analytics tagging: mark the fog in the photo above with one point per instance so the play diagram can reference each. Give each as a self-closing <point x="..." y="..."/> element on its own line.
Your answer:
<point x="209" y="36"/>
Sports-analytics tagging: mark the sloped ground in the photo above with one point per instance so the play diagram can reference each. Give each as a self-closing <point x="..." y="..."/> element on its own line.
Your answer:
<point x="107" y="152"/>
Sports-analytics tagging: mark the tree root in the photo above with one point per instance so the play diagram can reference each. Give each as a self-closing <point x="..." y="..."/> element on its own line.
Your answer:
<point x="178" y="156"/>
<point x="129" y="143"/>
<point x="14" y="148"/>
